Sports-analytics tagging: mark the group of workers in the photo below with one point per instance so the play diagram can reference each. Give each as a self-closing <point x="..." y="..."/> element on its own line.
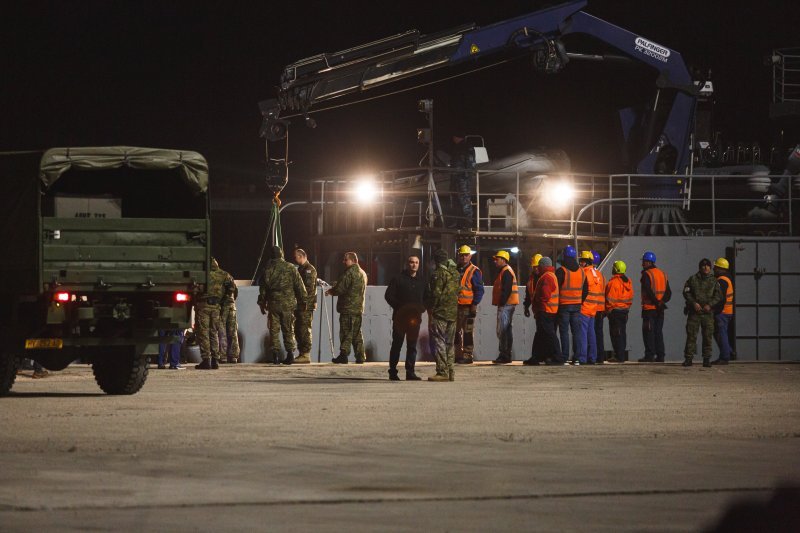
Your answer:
<point x="568" y="303"/>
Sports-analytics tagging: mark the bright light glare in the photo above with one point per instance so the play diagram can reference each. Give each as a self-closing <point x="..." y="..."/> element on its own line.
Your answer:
<point x="365" y="190"/>
<point x="561" y="194"/>
<point x="514" y="250"/>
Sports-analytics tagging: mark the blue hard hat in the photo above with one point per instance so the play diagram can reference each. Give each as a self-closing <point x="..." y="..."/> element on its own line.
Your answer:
<point x="570" y="251"/>
<point x="649" y="256"/>
<point x="597" y="257"/>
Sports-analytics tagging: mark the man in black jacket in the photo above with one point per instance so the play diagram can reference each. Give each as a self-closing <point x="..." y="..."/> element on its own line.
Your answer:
<point x="404" y="295"/>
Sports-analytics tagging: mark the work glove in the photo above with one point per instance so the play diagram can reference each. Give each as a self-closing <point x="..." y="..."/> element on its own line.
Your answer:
<point x="263" y="308"/>
<point x="527" y="312"/>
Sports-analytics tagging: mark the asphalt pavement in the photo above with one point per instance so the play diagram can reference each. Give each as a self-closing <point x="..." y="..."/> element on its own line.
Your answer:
<point x="325" y="447"/>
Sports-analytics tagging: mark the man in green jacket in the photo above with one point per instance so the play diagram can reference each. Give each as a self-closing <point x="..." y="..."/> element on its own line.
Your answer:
<point x="279" y="291"/>
<point x="441" y="301"/>
<point x="206" y="311"/>
<point x="305" y="308"/>
<point x="350" y="288"/>
<point x="702" y="293"/>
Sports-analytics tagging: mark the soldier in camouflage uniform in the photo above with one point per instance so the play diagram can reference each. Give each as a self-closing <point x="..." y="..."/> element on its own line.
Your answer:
<point x="229" y="329"/>
<point x="279" y="291"/>
<point x="702" y="293"/>
<point x="350" y="288"/>
<point x="441" y="301"/>
<point x="305" y="308"/>
<point x="206" y="310"/>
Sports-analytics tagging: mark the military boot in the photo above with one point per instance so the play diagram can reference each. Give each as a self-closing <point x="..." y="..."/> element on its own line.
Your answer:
<point x="465" y="359"/>
<point x="289" y="359"/>
<point x="361" y="360"/>
<point x="439" y="378"/>
<point x="204" y="365"/>
<point x="687" y="361"/>
<point x="706" y="362"/>
<point x="276" y="358"/>
<point x="232" y="360"/>
<point x="451" y="375"/>
<point x="303" y="359"/>
<point x="214" y="363"/>
<point x="340" y="360"/>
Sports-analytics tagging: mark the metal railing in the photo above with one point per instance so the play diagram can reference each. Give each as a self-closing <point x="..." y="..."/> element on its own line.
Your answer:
<point x="786" y="75"/>
<point x="603" y="206"/>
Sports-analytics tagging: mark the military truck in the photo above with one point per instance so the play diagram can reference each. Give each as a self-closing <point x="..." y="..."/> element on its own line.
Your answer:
<point x="101" y="248"/>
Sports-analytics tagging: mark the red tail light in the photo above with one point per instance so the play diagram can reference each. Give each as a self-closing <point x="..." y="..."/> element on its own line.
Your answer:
<point x="182" y="297"/>
<point x="61" y="296"/>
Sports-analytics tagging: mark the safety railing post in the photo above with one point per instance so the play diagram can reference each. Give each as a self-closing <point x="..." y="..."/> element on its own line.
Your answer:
<point x="630" y="208"/>
<point x="713" y="207"/>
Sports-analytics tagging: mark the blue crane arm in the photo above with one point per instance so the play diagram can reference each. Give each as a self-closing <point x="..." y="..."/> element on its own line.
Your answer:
<point x="322" y="77"/>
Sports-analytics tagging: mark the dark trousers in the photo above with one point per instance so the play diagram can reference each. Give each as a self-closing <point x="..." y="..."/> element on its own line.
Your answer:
<point x="653" y="334"/>
<point x="617" y="328"/>
<point x="545" y="341"/>
<point x="598" y="333"/>
<point x="409" y="333"/>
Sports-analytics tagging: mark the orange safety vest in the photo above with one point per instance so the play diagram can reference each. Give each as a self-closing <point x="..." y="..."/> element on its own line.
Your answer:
<point x="551" y="306"/>
<point x="513" y="298"/>
<point x="619" y="294"/>
<point x="572" y="289"/>
<point x="658" y="283"/>
<point x="728" y="309"/>
<point x="465" y="295"/>
<point x="595" y="299"/>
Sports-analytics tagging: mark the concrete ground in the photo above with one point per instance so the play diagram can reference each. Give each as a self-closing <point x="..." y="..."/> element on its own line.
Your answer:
<point x="340" y="448"/>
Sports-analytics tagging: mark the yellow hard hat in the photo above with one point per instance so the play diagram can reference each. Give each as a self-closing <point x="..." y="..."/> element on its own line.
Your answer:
<point x="721" y="262"/>
<point x="503" y="254"/>
<point x="620" y="267"/>
<point x="464" y="250"/>
<point x="587" y="254"/>
<point x="535" y="260"/>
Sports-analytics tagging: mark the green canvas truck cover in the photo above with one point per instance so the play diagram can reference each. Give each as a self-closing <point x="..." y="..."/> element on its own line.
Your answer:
<point x="25" y="178"/>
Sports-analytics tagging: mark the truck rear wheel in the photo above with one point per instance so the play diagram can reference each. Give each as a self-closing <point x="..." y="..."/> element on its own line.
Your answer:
<point x="8" y="372"/>
<point x="123" y="372"/>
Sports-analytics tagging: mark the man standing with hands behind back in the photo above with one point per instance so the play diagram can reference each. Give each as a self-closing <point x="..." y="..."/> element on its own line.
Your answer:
<point x="404" y="295"/>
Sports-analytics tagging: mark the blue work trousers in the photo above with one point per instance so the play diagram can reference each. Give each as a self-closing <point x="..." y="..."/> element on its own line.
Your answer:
<point x="505" y="315"/>
<point x="570" y="321"/>
<point x="722" y="323"/>
<point x="587" y="347"/>
<point x="173" y="350"/>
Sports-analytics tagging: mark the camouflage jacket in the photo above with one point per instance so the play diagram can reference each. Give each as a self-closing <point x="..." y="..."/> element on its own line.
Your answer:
<point x="441" y="293"/>
<point x="215" y="289"/>
<point x="230" y="290"/>
<point x="309" y="275"/>
<point x="281" y="286"/>
<point x="350" y="288"/>
<point x="701" y="289"/>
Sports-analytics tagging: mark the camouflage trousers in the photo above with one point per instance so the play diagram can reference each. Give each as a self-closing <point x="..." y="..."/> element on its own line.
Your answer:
<point x="229" y="331"/>
<point x="465" y="325"/>
<point x="442" y="334"/>
<point x="281" y="321"/>
<point x="302" y="330"/>
<point x="695" y="322"/>
<point x="350" y="335"/>
<point x="206" y="321"/>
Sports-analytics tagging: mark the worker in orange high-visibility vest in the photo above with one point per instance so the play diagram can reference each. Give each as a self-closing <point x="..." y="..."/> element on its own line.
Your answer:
<point x="546" y="348"/>
<point x="505" y="295"/>
<point x="572" y="290"/>
<point x="594" y="302"/>
<point x="470" y="293"/>
<point x="530" y="286"/>
<point x="655" y="295"/>
<point x="619" y="298"/>
<point x="723" y="311"/>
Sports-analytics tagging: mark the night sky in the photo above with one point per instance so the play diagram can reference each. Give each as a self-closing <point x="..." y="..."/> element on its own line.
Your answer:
<point x="190" y="75"/>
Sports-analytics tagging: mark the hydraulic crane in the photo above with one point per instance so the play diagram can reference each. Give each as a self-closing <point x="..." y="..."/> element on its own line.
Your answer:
<point x="665" y="148"/>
